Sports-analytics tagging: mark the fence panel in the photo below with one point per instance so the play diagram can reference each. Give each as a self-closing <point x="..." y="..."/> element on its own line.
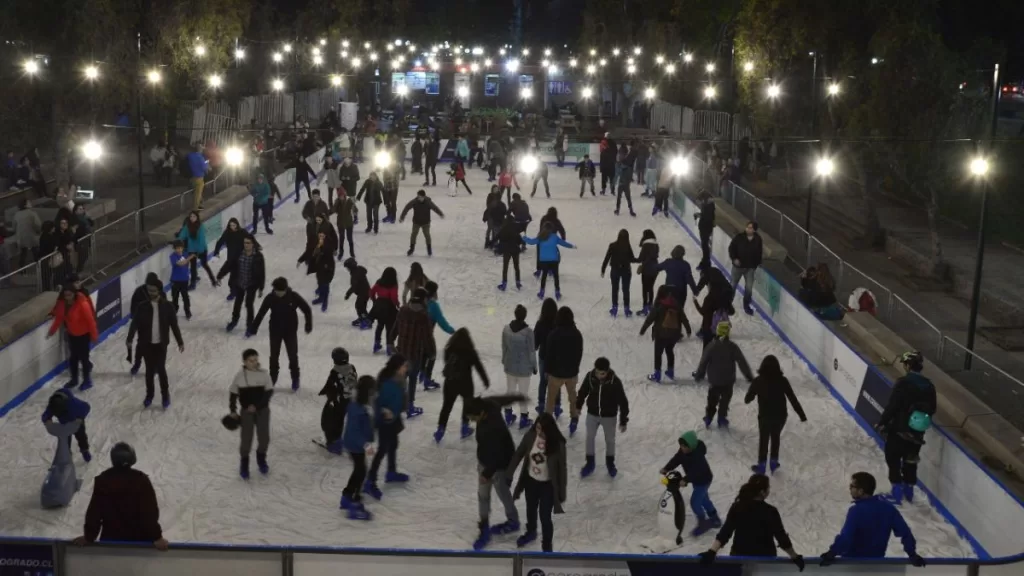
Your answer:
<point x="769" y="220"/>
<point x="708" y="123"/>
<point x="276" y="109"/>
<point x="915" y="329"/>
<point x="314" y="105"/>
<point x="795" y="239"/>
<point x="743" y="201"/>
<point x="997" y="389"/>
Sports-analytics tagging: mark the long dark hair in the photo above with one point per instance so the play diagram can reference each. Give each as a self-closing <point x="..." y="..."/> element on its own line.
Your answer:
<point x="388" y="278"/>
<point x="622" y="242"/>
<point x="545" y="231"/>
<point x="752" y="490"/>
<point x="394" y="362"/>
<point x="565" y="317"/>
<point x="238" y="226"/>
<point x="552" y="214"/>
<point x="460" y="343"/>
<point x="193" y="227"/>
<point x="416" y="276"/>
<point x="770" y="367"/>
<point x="364" y="389"/>
<point x="548" y="311"/>
<point x="553" y="438"/>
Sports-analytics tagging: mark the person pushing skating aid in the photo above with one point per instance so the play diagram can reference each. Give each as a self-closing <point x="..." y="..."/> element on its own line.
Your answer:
<point x="692" y="456"/>
<point x="339" y="390"/>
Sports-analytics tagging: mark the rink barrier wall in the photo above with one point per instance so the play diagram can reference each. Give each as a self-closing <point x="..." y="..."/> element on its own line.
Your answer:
<point x="982" y="509"/>
<point x="61" y="558"/>
<point x="29" y="362"/>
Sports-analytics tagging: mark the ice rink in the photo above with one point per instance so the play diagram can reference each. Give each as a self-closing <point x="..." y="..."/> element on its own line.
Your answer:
<point x="193" y="461"/>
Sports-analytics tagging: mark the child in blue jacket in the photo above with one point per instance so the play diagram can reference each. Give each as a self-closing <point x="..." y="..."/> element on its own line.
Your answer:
<point x="66" y="408"/>
<point x="194" y="236"/>
<point x="548" y="243"/>
<point x="358" y="441"/>
<point x="388" y="417"/>
<point x="180" y="276"/>
<point x="692" y="456"/>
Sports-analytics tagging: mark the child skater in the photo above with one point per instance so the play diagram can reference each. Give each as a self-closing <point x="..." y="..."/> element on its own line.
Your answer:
<point x="648" y="269"/>
<point x="360" y="286"/>
<point x="339" y="390"/>
<point x="718" y="363"/>
<point x="692" y="456"/>
<point x="667" y="329"/>
<point x="384" y="295"/>
<point x="358" y="441"/>
<point x="390" y="404"/>
<point x="460" y="360"/>
<point x="66" y="408"/>
<point x="252" y="388"/>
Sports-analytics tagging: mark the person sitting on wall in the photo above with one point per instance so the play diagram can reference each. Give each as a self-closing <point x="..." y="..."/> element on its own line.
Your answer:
<point x="818" y="292"/>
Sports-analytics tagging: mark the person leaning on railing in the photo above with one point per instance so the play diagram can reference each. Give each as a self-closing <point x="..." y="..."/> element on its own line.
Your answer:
<point x="817" y="292"/>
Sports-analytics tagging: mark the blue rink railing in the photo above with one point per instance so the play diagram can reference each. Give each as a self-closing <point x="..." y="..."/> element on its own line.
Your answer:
<point x="43" y="557"/>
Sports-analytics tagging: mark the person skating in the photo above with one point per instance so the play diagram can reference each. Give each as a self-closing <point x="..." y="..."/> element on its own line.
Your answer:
<point x="543" y="478"/>
<point x="319" y="260"/>
<point x="315" y="206"/>
<point x="389" y="180"/>
<point x="456" y="176"/>
<point x="607" y="161"/>
<point x="648" y="269"/>
<point x="692" y="456"/>
<point x="417" y="278"/>
<point x="667" y="319"/>
<point x="550" y="216"/>
<point x="417" y="155"/>
<point x="252" y="389"/>
<point x="903" y="423"/>
<point x="141" y="296"/>
<point x="66" y="408"/>
<point x="772" y="390"/>
<point x="248" y="278"/>
<point x="520" y="210"/>
<point x="283" y="304"/>
<point x="432" y="152"/>
<point x="541" y="330"/>
<point x="348" y="174"/>
<point x="74" y="313"/>
<point x="421" y="207"/>
<point x="358" y="441"/>
<point x="333" y="178"/>
<point x="374" y="192"/>
<point x="302" y="174"/>
<point x="620" y="256"/>
<point x="520" y="363"/>
<point x="415" y="342"/>
<point x="717" y="304"/>
<point x="510" y="246"/>
<point x="506" y="180"/>
<point x="679" y="276"/>
<point x="719" y="362"/>
<point x="652" y="173"/>
<point x="460" y="360"/>
<point x="360" y="287"/>
<point x="869" y="522"/>
<point x="436" y="316"/>
<point x="262" y="203"/>
<point x="347" y="217"/>
<point x="706" y="223"/>
<point x="384" y="294"/>
<point x="587" y="172"/>
<point x="123" y="507"/>
<point x="154" y="321"/>
<point x="625" y="179"/>
<point x="756" y="524"/>
<point x="180" y="277"/>
<point x="606" y="401"/>
<point x="193" y="234"/>
<point x="338" y="390"/>
<point x="745" y="251"/>
<point x="388" y="420"/>
<point x="541" y="175"/>
<point x="494" y="216"/>
<point x="550" y="257"/>
<point x="231" y="239"/>
<point x="494" y="452"/>
<point x="563" y="353"/>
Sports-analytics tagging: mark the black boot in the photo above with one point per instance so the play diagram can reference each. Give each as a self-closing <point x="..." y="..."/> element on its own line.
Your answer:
<point x="609" y="461"/>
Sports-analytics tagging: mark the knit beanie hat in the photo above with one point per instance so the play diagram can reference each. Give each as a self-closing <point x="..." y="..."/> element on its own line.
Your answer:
<point x="723" y="329"/>
<point x="689" y="438"/>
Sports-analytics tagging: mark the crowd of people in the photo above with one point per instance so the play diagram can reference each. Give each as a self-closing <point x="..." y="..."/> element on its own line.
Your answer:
<point x="364" y="416"/>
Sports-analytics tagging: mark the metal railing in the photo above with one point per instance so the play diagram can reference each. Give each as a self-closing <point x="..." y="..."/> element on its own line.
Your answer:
<point x="1000" y="391"/>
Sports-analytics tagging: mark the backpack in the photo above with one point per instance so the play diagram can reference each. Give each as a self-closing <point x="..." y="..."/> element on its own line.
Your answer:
<point x="670" y="320"/>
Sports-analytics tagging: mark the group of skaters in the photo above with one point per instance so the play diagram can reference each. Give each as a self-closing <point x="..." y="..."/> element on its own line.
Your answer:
<point x="364" y="415"/>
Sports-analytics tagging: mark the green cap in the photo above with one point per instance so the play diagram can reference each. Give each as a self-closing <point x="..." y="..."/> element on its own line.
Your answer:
<point x="689" y="438"/>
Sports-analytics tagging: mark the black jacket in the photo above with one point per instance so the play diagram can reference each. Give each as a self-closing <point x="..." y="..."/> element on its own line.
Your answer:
<point x="604" y="398"/>
<point x="748" y="252"/>
<point x="509" y="238"/>
<point x="302" y="170"/>
<point x="494" y="445"/>
<point x="619" y="256"/>
<point x="142" y="323"/>
<point x="257" y="274"/>
<point x="648" y="258"/>
<point x="757" y="526"/>
<point x="541" y="331"/>
<point x="458" y="370"/>
<point x="140" y="296"/>
<point x="771" y="394"/>
<point x="520" y="210"/>
<point x="706" y="221"/>
<point x="374" y="191"/>
<point x="421" y="210"/>
<point x="284" y="318"/>
<point x="559" y="229"/>
<point x="232" y="240"/>
<point x="912" y="392"/>
<point x="495" y="213"/>
<point x="432" y="150"/>
<point x="656" y="319"/>
<point x="813" y="295"/>
<point x="349" y="176"/>
<point x="696" y="469"/>
<point x="563" y="352"/>
<point x="357" y="283"/>
<point x="311" y="209"/>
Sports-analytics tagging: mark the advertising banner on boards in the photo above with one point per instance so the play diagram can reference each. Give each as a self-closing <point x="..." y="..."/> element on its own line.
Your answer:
<point x="108" y="305"/>
<point x="27" y="559"/>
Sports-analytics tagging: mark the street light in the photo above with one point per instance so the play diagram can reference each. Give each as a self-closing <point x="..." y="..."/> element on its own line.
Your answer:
<point x="748" y="67"/>
<point x="638" y="50"/>
<point x="833" y="89"/>
<point x="277" y="56"/>
<point x="572" y="63"/>
<point x="356" y="62"/>
<point x="528" y="164"/>
<point x="487" y="62"/>
<point x="402" y="90"/>
<point x="234" y="156"/>
<point x="615" y="52"/>
<point x="200" y="50"/>
<point x="463" y="92"/>
<point x="512" y="65"/>
<point x="649" y="93"/>
<point x="382" y="160"/>
<point x="474" y="67"/>
<point x="315" y="51"/>
<point x="709" y="92"/>
<point x="979" y="168"/>
<point x="215" y="81"/>
<point x="659" y="59"/>
<point x="92" y="72"/>
<point x="287" y="47"/>
<point x="323" y="41"/>
<point x="153" y="76"/>
<point x="670" y="68"/>
<point x="823" y="168"/>
<point x="774" y="91"/>
<point x="92" y="151"/>
<point x="277" y="84"/>
<point x="587" y="92"/>
<point x="526" y="51"/>
<point x="335" y="80"/>
<point x="547" y="51"/>
<point x="552" y="70"/>
<point x="31" y="67"/>
<point x="710" y="67"/>
<point x="603" y="61"/>
<point x="525" y="93"/>
<point x="373" y="56"/>
<point x="687" y="58"/>
<point x="318" y="60"/>
<point x="631" y="69"/>
<point x="591" y="69"/>
<point x="240" y="54"/>
<point x="679" y="166"/>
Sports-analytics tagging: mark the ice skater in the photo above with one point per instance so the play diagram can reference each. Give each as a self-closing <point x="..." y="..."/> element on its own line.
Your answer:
<point x="154" y="322"/>
<point x="388" y="420"/>
<point x="359" y="286"/>
<point x="772" y="390"/>
<point x="74" y="313"/>
<point x="180" y="276"/>
<point x="141" y="296"/>
<point x="666" y="320"/>
<point x="510" y="245"/>
<point x="319" y="260"/>
<point x="347" y="217"/>
<point x="389" y="178"/>
<point x="358" y="441"/>
<point x="745" y="251"/>
<point x="587" y="172"/>
<point x="417" y="278"/>
<point x="541" y="330"/>
<point x="541" y="175"/>
<point x="620" y="256"/>
<point x="563" y="353"/>
<point x="706" y="223"/>
<point x="624" y="171"/>
<point x="648" y="269"/>
<point x="543" y="478"/>
<point x="437" y="318"/>
<point x="494" y="452"/>
<point x="421" y="207"/>
<point x="550" y="216"/>
<point x="456" y="176"/>
<point x="679" y="276"/>
<point x="717" y="304"/>
<point x="520" y="363"/>
<point x="302" y="174"/>
<point x="907" y="416"/>
<point x="66" y="408"/>
<point x="460" y="360"/>
<point x="384" y="295"/>
<point x="606" y="402"/>
<point x="415" y="343"/>
<point x="719" y="363"/>
<point x="231" y="239"/>
<point x="252" y="389"/>
<point x="315" y="206"/>
<point x="339" y="389"/>
<point x="248" y="273"/>
<point x="262" y="203"/>
<point x="506" y="180"/>
<point x="550" y="257"/>
<point x="283" y="304"/>
<point x="494" y="217"/>
<point x="692" y="456"/>
<point x="193" y="234"/>
<point x="374" y="192"/>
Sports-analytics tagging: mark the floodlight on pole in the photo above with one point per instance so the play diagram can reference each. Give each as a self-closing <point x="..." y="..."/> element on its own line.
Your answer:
<point x="979" y="167"/>
<point x="200" y="50"/>
<point x="638" y="50"/>
<point x="344" y="44"/>
<point x="774" y="91"/>
<point x="824" y="167"/>
<point x="659" y="59"/>
<point x="616" y="52"/>
<point x="709" y="67"/>
<point x="528" y="164"/>
<point x="31" y="67"/>
<point x="833" y="89"/>
<point x="679" y="166"/>
<point x="215" y="81"/>
<point x="547" y="51"/>
<point x="335" y="80"/>
<point x="92" y="72"/>
<point x="709" y="92"/>
<point x="373" y="56"/>
<point x="474" y="67"/>
<point x="649" y="93"/>
<point x="240" y="54"/>
<point x="382" y="159"/>
<point x="234" y="156"/>
<point x="389" y="47"/>
<point x="287" y="47"/>
<point x="356" y="62"/>
<point x="670" y="68"/>
<point x="526" y="51"/>
<point x="153" y="76"/>
<point x="545" y="62"/>
<point x="277" y="56"/>
<point x="277" y="84"/>
<point x="688" y="58"/>
<point x="92" y="150"/>
<point x="463" y="91"/>
<point x="526" y="93"/>
<point x="748" y="67"/>
<point x="402" y="90"/>
<point x="587" y="92"/>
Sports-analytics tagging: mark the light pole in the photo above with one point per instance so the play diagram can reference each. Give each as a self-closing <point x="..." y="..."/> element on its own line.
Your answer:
<point x="823" y="168"/>
<point x="92" y="151"/>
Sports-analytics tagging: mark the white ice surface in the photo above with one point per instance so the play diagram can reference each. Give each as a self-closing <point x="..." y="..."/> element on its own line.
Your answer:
<point x="193" y="461"/>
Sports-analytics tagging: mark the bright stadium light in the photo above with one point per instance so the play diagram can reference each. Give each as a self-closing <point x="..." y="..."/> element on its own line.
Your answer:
<point x="528" y="164"/>
<point x="979" y="167"/>
<point x="591" y="69"/>
<point x="774" y="91"/>
<point x="824" y="167"/>
<point x="833" y="89"/>
<point x="688" y="58"/>
<point x="382" y="159"/>
<point x="679" y="166"/>
<point x="92" y="72"/>
<point x="92" y="150"/>
<point x="234" y="156"/>
<point x="335" y="80"/>
<point x="287" y="47"/>
<point x="318" y="60"/>
<point x="31" y="67"/>
<point x="277" y="84"/>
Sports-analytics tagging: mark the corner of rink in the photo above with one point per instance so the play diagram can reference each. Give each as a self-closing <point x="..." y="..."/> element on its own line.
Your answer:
<point x="192" y="460"/>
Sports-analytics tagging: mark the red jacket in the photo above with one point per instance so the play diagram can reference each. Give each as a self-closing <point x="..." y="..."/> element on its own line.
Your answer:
<point x="123" y="508"/>
<point x="378" y="291"/>
<point x="78" y="319"/>
<point x="507" y="179"/>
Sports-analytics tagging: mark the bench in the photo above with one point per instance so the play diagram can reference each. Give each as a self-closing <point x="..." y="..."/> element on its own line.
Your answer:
<point x="26" y="317"/>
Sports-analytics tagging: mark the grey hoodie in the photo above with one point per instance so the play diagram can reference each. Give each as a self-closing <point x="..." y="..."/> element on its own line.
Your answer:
<point x="517" y="350"/>
<point x="719" y="363"/>
<point x="347" y="376"/>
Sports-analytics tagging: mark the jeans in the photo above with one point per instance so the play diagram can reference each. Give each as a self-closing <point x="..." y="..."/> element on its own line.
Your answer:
<point x="514" y="257"/>
<point x="748" y="283"/>
<point x="621" y="276"/>
<point x="155" y="356"/>
<point x="666" y="346"/>
<point x="78" y="355"/>
<point x="387" y="446"/>
<point x="607" y="423"/>
<point x="499" y="482"/>
<point x="291" y="346"/>
<point x="259" y="422"/>
<point x="701" y="504"/>
<point x="770" y="432"/>
<point x="309" y="194"/>
<point x="414" y="377"/>
<point x="705" y="244"/>
<point x="430" y="175"/>
<point x="540" y="496"/>
<point x="452" y="391"/>
<point x="180" y="289"/>
<point x="248" y="295"/>
<point x="647" y="289"/>
<point x="372" y="217"/>
<point x="357" y="477"/>
<point x="267" y="210"/>
<point x="201" y="258"/>
<point x="718" y="400"/>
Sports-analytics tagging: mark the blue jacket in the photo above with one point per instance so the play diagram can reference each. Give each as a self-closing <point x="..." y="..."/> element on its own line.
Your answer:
<point x="436" y="316"/>
<point x="197" y="165"/>
<point x="548" y="248"/>
<point x="358" y="428"/>
<point x="260" y="193"/>
<point x="193" y="245"/>
<point x="179" y="273"/>
<point x="392" y="397"/>
<point x="678" y="274"/>
<point x="462" y="149"/>
<point x="77" y="409"/>
<point x="865" y="533"/>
